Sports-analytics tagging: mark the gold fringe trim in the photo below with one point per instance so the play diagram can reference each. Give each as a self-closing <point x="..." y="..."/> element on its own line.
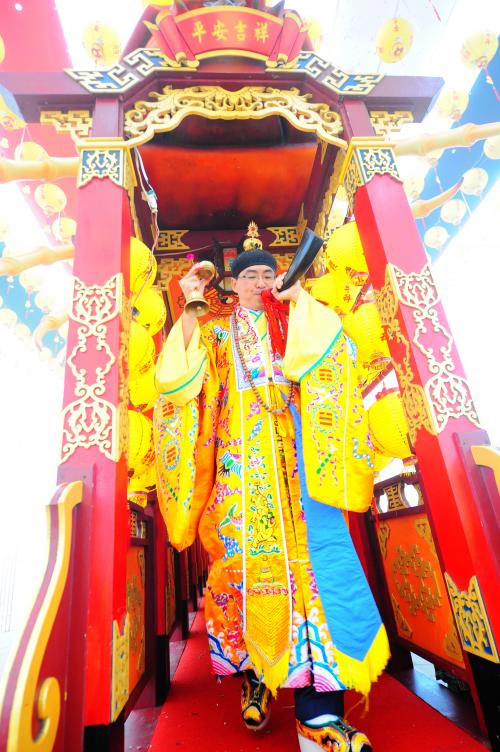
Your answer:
<point x="274" y="675"/>
<point x="360" y="675"/>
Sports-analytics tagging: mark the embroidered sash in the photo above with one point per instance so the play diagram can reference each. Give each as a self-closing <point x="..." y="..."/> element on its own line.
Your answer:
<point x="266" y="581"/>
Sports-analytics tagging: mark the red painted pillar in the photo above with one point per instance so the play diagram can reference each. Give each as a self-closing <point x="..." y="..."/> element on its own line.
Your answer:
<point x="434" y="389"/>
<point x="95" y="425"/>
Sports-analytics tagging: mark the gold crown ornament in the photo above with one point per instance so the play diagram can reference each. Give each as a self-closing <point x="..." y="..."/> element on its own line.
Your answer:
<point x="252" y="241"/>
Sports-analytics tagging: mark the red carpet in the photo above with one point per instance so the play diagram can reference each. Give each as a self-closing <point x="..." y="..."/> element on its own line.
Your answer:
<point x="202" y="715"/>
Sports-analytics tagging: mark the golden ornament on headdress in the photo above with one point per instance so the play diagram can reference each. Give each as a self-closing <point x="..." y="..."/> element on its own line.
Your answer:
<point x="252" y="241"/>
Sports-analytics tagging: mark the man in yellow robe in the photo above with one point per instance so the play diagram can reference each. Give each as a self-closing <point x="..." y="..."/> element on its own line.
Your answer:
<point x="228" y="431"/>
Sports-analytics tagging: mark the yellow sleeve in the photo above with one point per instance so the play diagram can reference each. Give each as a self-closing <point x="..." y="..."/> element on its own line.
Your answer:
<point x="180" y="371"/>
<point x="312" y="330"/>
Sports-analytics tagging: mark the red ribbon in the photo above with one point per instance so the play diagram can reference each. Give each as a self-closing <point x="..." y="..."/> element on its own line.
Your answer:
<point x="277" y="321"/>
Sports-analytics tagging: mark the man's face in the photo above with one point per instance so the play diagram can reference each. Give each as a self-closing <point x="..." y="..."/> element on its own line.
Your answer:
<point x="250" y="284"/>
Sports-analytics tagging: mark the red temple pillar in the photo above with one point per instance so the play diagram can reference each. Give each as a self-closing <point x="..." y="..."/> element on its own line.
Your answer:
<point x="434" y="390"/>
<point x="95" y="418"/>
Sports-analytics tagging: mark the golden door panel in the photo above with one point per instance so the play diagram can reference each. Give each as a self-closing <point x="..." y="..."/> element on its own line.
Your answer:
<point x="416" y="586"/>
<point x="136" y="581"/>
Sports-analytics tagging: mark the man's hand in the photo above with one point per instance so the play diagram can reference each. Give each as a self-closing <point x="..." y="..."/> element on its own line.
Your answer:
<point x="192" y="284"/>
<point x="292" y="293"/>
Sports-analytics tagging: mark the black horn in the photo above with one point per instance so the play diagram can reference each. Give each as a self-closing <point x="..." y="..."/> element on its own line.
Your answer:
<point x="307" y="251"/>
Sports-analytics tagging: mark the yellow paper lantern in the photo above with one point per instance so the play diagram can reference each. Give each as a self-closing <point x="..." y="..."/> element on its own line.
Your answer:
<point x="452" y="103"/>
<point x="141" y="350"/>
<point x="334" y="290"/>
<point x="143" y="391"/>
<point x="414" y="186"/>
<point x="436" y="237"/>
<point x="475" y="181"/>
<point x="30" y="151"/>
<point x="364" y="327"/>
<point x="388" y="426"/>
<point x="31" y="280"/>
<point x="149" y="310"/>
<point x="63" y="330"/>
<point x="394" y="40"/>
<point x="64" y="229"/>
<point x="380" y="461"/>
<point x="102" y="43"/>
<point x="145" y="482"/>
<point x="44" y="301"/>
<point x="453" y="211"/>
<point x="325" y="289"/>
<point x="344" y="251"/>
<point x="479" y="49"/>
<point x="50" y="198"/>
<point x="138" y="497"/>
<point x="2" y="49"/>
<point x="4" y="231"/>
<point x="138" y="488"/>
<point x="8" y="318"/>
<point x="314" y="32"/>
<point x="22" y="331"/>
<point x="492" y="147"/>
<point x="143" y="266"/>
<point x="141" y="446"/>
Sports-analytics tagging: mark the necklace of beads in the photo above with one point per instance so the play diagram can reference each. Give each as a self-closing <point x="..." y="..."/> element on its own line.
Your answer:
<point x="246" y="371"/>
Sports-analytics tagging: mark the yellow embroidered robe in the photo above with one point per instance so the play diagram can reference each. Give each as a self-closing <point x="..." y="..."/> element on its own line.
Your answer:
<point x="240" y="490"/>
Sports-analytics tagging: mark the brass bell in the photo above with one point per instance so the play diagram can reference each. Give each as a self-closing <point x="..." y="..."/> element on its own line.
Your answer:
<point x="196" y="305"/>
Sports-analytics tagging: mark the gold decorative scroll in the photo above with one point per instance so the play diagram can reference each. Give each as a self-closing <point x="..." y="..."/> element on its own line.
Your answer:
<point x="284" y="236"/>
<point x="105" y="159"/>
<point x="171" y="240"/>
<point x="385" y="123"/>
<point x="365" y="158"/>
<point x="395" y="498"/>
<point x="170" y="107"/>
<point x="123" y="360"/>
<point x="91" y="420"/>
<point x="34" y="704"/>
<point x="169" y="268"/>
<point x="13" y="265"/>
<point x="146" y="61"/>
<point x="49" y="168"/>
<point x="472" y="620"/>
<point x="426" y="597"/>
<point x="465" y="135"/>
<point x="329" y="195"/>
<point x="417" y="411"/>
<point x="451" y="642"/>
<point x="114" y="79"/>
<point x="402" y="625"/>
<point x="78" y="123"/>
<point x="423" y="528"/>
<point x="383" y="533"/>
<point x="120" y="667"/>
<point x="448" y="394"/>
<point x="330" y="77"/>
<point x="135" y="610"/>
<point x="284" y="260"/>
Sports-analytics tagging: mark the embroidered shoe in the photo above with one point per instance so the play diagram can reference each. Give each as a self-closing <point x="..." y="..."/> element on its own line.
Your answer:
<point x="255" y="703"/>
<point x="334" y="736"/>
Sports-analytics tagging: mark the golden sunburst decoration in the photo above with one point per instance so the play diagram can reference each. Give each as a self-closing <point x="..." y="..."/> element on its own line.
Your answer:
<point x="252" y="242"/>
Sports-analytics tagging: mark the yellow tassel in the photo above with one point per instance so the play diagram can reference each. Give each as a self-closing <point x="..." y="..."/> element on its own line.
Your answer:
<point x="272" y="676"/>
<point x="360" y="675"/>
